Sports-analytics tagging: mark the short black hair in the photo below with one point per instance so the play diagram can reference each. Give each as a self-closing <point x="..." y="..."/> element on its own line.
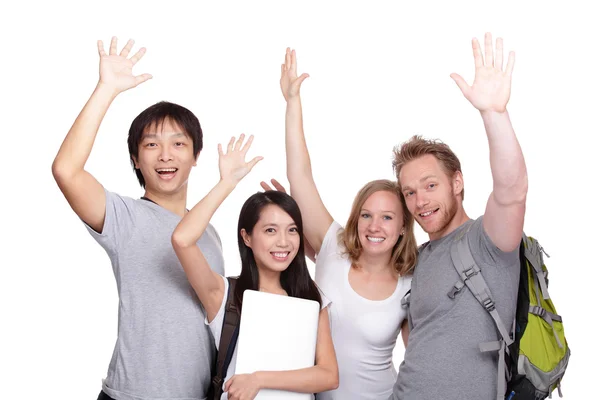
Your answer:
<point x="156" y="115"/>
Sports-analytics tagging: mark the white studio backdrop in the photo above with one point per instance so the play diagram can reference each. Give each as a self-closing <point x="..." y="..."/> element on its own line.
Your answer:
<point x="379" y="74"/>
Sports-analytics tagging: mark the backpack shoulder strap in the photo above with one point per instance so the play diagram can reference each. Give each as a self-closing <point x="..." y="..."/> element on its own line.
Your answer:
<point x="228" y="341"/>
<point x="470" y="275"/>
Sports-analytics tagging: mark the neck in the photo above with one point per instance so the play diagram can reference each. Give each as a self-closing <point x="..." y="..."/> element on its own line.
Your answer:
<point x="375" y="263"/>
<point x="175" y="203"/>
<point x="269" y="281"/>
<point x="459" y="218"/>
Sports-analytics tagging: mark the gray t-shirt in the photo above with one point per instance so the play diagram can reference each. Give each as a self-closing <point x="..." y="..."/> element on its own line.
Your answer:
<point x="442" y="360"/>
<point x="164" y="351"/>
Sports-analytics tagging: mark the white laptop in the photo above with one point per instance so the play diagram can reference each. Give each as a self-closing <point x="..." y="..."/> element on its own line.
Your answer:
<point x="277" y="333"/>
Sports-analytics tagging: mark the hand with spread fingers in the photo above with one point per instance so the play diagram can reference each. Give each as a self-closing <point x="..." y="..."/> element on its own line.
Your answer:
<point x="116" y="70"/>
<point x="290" y="81"/>
<point x="232" y="164"/>
<point x="491" y="88"/>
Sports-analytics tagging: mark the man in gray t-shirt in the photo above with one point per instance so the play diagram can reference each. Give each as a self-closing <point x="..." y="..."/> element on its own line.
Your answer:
<point x="163" y="348"/>
<point x="442" y="359"/>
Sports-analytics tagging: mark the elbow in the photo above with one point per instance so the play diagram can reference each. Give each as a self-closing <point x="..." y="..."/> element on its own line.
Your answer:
<point x="513" y="194"/>
<point x="178" y="241"/>
<point x="60" y="172"/>
<point x="333" y="380"/>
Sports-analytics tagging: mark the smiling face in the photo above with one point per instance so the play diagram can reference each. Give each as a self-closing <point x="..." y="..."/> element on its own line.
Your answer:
<point x="274" y="240"/>
<point x="165" y="158"/>
<point x="380" y="223"/>
<point x="431" y="196"/>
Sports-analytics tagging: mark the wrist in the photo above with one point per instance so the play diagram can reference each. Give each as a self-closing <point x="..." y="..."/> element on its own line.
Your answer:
<point x="228" y="184"/>
<point x="258" y="378"/>
<point x="106" y="90"/>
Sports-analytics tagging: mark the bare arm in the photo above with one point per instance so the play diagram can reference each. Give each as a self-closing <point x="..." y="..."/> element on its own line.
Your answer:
<point x="505" y="212"/>
<point x="207" y="284"/>
<point x="322" y="377"/>
<point x="299" y="171"/>
<point x="405" y="331"/>
<point x="83" y="192"/>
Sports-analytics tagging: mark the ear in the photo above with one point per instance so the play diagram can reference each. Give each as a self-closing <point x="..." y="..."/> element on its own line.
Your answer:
<point x="246" y="237"/>
<point x="457" y="183"/>
<point x="196" y="160"/>
<point x="135" y="162"/>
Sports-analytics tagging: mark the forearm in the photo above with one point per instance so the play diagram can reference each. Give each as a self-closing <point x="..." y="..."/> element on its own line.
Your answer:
<point x="509" y="172"/>
<point x="298" y="159"/>
<point x="77" y="146"/>
<point x="307" y="380"/>
<point x="194" y="223"/>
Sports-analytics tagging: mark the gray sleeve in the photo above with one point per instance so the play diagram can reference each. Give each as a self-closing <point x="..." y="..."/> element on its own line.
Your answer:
<point x="118" y="222"/>
<point x="485" y="251"/>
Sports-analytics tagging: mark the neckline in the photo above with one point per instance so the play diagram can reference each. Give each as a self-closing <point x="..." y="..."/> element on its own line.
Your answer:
<point x="388" y="299"/>
<point x="161" y="207"/>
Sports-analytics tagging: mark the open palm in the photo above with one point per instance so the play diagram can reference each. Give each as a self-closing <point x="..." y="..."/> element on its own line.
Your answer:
<point x="116" y="70"/>
<point x="491" y="88"/>
<point x="232" y="164"/>
<point x="290" y="81"/>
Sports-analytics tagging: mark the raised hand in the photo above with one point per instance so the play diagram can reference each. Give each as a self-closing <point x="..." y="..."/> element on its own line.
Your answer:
<point x="278" y="186"/>
<point x="232" y="164"/>
<point x="116" y="69"/>
<point x="290" y="81"/>
<point x="491" y="88"/>
<point x="242" y="387"/>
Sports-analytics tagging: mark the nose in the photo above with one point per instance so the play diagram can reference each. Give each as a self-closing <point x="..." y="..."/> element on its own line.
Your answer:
<point x="374" y="225"/>
<point x="165" y="154"/>
<point x="282" y="240"/>
<point x="421" y="199"/>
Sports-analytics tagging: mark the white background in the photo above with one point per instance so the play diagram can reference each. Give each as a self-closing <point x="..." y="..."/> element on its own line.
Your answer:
<point x="379" y="74"/>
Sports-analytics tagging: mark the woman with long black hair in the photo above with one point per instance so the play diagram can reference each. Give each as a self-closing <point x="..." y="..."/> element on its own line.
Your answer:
<point x="271" y="243"/>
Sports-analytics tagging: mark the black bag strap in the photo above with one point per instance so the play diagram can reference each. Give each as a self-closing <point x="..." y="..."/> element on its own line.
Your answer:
<point x="229" y="336"/>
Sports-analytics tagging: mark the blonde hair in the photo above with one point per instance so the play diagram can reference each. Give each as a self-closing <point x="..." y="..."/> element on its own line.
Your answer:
<point x="417" y="147"/>
<point x="404" y="254"/>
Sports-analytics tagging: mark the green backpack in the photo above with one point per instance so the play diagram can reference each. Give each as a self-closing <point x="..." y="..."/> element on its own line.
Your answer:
<point x="533" y="354"/>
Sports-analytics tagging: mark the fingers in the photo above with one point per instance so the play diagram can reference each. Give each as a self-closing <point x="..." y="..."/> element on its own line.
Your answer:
<point x="229" y="382"/>
<point x="220" y="149"/>
<point x="138" y="56"/>
<point x="113" y="46"/>
<point x="288" y="59"/>
<point x="462" y="84"/>
<point x="278" y="186"/>
<point x="265" y="186"/>
<point x="294" y="65"/>
<point x="510" y="64"/>
<point x="477" y="53"/>
<point x="239" y="142"/>
<point x="499" y="63"/>
<point x="248" y="144"/>
<point x="101" y="51"/>
<point x="253" y="162"/>
<point x="489" y="54"/>
<point x="301" y="79"/>
<point x="142" y="78"/>
<point x="127" y="48"/>
<point x="230" y="145"/>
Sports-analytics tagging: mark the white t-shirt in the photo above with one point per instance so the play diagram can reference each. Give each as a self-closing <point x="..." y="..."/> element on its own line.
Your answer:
<point x="364" y="331"/>
<point x="216" y="325"/>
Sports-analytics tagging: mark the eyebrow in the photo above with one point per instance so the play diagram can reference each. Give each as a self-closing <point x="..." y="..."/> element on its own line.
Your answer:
<point x="423" y="179"/>
<point x="272" y="224"/>
<point x="154" y="135"/>
<point x="385" y="211"/>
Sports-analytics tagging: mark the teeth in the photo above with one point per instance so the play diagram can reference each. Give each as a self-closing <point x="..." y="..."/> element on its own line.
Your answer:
<point x="428" y="213"/>
<point x="166" y="170"/>
<point x="281" y="255"/>
<point x="374" y="239"/>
